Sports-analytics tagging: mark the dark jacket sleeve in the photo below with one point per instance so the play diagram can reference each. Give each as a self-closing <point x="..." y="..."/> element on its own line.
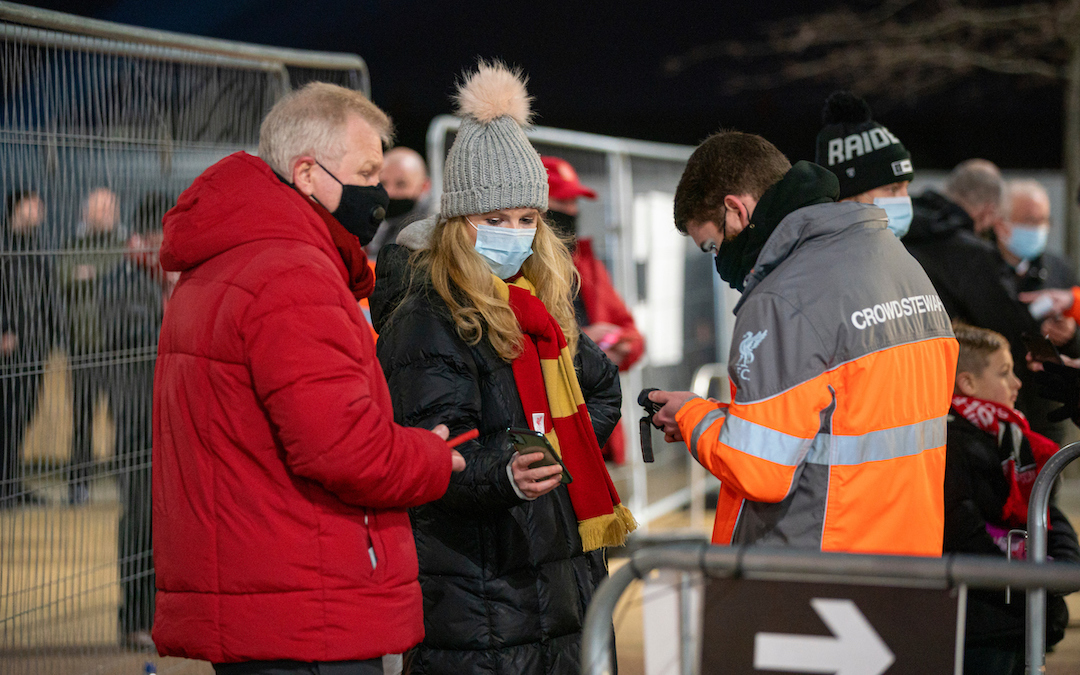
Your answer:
<point x="599" y="380"/>
<point x="1061" y="541"/>
<point x="1061" y="546"/>
<point x="131" y="309"/>
<point x="965" y="525"/>
<point x="433" y="380"/>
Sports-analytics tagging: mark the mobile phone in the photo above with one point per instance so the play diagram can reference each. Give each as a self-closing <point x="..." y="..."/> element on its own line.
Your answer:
<point x="610" y="339"/>
<point x="527" y="442"/>
<point x="1040" y="348"/>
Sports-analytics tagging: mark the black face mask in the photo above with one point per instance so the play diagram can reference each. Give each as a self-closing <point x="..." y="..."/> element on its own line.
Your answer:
<point x="730" y="264"/>
<point x="361" y="209"/>
<point x="399" y="207"/>
<point x="564" y="224"/>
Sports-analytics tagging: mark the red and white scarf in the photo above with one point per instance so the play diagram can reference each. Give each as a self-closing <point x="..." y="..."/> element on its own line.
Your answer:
<point x="1029" y="451"/>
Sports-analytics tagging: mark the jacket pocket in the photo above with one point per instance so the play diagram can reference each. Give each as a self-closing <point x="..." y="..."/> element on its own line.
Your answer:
<point x="369" y="556"/>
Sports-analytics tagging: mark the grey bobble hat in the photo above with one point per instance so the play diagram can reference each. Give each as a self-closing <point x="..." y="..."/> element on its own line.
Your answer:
<point x="492" y="165"/>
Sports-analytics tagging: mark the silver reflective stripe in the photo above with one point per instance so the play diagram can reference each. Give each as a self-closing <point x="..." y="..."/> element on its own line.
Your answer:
<point x="819" y="449"/>
<point x="704" y="424"/>
<point x="763" y="442"/>
<point x="877" y="446"/>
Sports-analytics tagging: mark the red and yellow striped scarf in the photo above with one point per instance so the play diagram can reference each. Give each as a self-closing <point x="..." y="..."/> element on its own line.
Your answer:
<point x="554" y="405"/>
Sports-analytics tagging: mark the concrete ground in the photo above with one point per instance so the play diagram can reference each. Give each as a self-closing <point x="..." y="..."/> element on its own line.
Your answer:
<point x="71" y="660"/>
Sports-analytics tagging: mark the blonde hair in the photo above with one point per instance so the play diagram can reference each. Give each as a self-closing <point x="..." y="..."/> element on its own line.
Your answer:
<point x="465" y="283"/>
<point x="976" y="346"/>
<point x="311" y="121"/>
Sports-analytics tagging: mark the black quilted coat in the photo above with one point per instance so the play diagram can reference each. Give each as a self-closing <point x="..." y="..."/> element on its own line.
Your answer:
<point x="505" y="581"/>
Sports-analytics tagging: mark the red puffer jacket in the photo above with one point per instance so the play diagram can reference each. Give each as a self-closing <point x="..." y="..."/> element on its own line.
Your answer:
<point x="280" y="480"/>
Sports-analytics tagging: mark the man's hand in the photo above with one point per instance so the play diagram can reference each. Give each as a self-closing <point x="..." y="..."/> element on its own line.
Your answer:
<point x="1061" y="298"/>
<point x="457" y="462"/>
<point x="671" y="402"/>
<point x="538" y="481"/>
<point x="1059" y="329"/>
<point x="608" y="337"/>
<point x="597" y="331"/>
<point x="619" y="352"/>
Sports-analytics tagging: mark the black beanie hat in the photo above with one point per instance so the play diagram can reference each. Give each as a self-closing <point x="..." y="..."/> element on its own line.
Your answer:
<point x="862" y="153"/>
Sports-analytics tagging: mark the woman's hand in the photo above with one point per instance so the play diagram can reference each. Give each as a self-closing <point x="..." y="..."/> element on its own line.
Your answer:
<point x="535" y="482"/>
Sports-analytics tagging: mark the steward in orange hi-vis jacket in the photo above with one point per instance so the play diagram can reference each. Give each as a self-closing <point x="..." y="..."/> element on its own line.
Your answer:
<point x="841" y="365"/>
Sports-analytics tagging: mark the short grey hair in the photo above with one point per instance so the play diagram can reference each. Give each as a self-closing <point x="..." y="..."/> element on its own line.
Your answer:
<point x="1022" y="186"/>
<point x="975" y="182"/>
<point x="311" y="121"/>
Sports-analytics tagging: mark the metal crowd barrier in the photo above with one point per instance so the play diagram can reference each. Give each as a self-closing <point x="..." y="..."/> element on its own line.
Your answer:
<point x="794" y="565"/>
<point x="1038" y="529"/>
<point x="776" y="564"/>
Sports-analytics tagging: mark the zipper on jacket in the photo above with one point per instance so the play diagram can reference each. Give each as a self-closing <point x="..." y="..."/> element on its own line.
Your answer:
<point x="371" y="545"/>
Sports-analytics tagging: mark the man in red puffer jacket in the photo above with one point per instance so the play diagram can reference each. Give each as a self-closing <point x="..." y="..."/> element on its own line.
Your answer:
<point x="280" y="481"/>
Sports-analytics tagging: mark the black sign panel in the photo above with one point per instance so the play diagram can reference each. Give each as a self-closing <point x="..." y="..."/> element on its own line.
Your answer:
<point x="775" y="628"/>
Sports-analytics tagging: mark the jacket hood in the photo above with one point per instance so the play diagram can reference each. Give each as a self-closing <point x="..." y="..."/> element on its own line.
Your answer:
<point x="806" y="224"/>
<point x="936" y="216"/>
<point x="237" y="201"/>
<point x="805" y="184"/>
<point x="417" y="236"/>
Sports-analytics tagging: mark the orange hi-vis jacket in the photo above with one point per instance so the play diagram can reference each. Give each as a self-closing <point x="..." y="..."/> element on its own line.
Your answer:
<point x="842" y="367"/>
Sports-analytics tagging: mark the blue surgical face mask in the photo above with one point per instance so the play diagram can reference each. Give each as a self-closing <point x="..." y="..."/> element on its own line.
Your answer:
<point x="899" y="211"/>
<point x="1028" y="241"/>
<point x="504" y="248"/>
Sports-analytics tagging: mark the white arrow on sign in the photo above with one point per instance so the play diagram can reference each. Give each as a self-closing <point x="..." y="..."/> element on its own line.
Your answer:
<point x="855" y="649"/>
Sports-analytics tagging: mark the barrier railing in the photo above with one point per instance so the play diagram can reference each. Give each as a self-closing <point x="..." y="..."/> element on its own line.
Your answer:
<point x="777" y="564"/>
<point x="1038" y="530"/>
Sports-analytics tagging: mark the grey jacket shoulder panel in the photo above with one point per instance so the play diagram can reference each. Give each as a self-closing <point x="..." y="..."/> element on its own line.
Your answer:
<point x="834" y="286"/>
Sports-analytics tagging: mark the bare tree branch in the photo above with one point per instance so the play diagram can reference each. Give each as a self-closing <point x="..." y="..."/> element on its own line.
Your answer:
<point x="904" y="36"/>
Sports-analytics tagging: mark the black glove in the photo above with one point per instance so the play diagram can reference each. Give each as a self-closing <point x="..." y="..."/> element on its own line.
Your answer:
<point x="1059" y="383"/>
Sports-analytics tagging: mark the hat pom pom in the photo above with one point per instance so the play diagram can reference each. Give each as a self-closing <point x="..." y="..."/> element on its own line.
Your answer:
<point x="494" y="91"/>
<point x="843" y="107"/>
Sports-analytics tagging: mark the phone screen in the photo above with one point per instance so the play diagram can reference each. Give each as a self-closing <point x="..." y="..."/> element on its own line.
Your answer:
<point x="527" y="442"/>
<point x="1041" y="349"/>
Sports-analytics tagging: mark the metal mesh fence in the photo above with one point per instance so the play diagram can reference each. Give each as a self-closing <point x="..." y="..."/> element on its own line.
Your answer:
<point x="98" y="136"/>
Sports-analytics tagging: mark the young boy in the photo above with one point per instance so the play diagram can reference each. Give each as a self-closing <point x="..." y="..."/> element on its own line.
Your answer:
<point x="992" y="460"/>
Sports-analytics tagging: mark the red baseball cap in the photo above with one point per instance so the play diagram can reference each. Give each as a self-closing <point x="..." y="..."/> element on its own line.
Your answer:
<point x="563" y="181"/>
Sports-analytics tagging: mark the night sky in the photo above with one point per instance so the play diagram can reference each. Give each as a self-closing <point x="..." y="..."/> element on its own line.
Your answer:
<point x="598" y="67"/>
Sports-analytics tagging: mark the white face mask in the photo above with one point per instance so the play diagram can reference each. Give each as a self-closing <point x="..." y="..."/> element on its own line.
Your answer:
<point x="504" y="248"/>
<point x="899" y="211"/>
